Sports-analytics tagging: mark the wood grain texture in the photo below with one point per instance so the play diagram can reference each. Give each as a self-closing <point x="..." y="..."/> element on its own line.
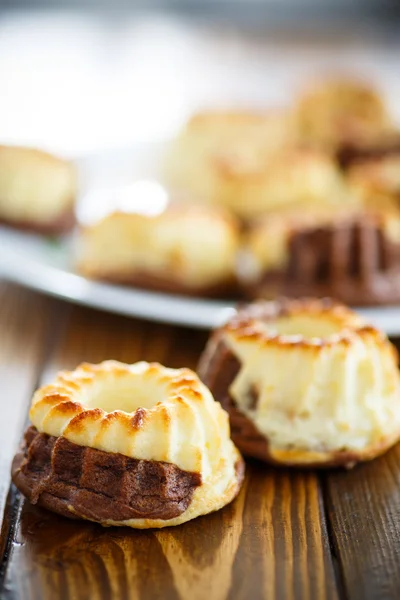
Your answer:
<point x="94" y="336"/>
<point x="282" y="544"/>
<point x="273" y="542"/>
<point x="267" y="544"/>
<point x="24" y="321"/>
<point x="364" y="513"/>
<point x="270" y="543"/>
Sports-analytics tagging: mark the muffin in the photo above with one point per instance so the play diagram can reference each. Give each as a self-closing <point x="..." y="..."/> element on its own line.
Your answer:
<point x="294" y="178"/>
<point x="37" y="190"/>
<point x="351" y="254"/>
<point x="339" y="113"/>
<point x="306" y="383"/>
<point x="220" y="153"/>
<point x="138" y="445"/>
<point x="185" y="249"/>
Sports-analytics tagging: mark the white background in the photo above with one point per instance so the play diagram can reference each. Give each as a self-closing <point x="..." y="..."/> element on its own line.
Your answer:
<point x="76" y="83"/>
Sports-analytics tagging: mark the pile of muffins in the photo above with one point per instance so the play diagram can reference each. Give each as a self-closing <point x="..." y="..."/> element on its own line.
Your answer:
<point x="301" y="200"/>
<point x="313" y="189"/>
<point x="298" y="202"/>
<point x="293" y="202"/>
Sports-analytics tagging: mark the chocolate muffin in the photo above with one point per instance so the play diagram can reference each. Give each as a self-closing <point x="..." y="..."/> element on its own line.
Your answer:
<point x="138" y="445"/>
<point x="352" y="255"/>
<point x="306" y="383"/>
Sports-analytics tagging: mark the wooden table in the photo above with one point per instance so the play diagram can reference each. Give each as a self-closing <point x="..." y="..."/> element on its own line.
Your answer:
<point x="289" y="534"/>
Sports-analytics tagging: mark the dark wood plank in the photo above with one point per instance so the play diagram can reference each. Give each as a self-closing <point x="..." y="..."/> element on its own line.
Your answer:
<point x="364" y="514"/>
<point x="94" y="336"/>
<point x="24" y="321"/>
<point x="283" y="547"/>
<point x="269" y="543"/>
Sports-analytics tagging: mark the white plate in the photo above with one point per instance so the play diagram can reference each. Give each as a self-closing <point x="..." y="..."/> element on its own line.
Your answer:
<point x="43" y="265"/>
<point x="46" y="266"/>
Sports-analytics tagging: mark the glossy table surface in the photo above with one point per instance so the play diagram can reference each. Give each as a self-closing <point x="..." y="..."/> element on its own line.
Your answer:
<point x="289" y="534"/>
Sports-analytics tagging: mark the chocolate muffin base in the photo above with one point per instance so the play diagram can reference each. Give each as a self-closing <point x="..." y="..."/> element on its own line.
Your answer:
<point x="383" y="290"/>
<point x="352" y="261"/>
<point x="84" y="483"/>
<point x="218" y="368"/>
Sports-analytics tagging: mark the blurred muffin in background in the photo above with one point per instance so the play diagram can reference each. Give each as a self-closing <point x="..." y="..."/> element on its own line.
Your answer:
<point x="352" y="254"/>
<point x="342" y="115"/>
<point x="37" y="190"/>
<point x="251" y="164"/>
<point x="185" y="249"/>
<point x="213" y="143"/>
<point x="290" y="178"/>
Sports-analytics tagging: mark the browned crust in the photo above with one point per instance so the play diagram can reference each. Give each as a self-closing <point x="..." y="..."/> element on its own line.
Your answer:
<point x="62" y="224"/>
<point x="244" y="325"/>
<point x="84" y="483"/>
<point x="266" y="311"/>
<point x="339" y="458"/>
<point x="218" y="368"/>
<point x="353" y="261"/>
<point x="224" y="289"/>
